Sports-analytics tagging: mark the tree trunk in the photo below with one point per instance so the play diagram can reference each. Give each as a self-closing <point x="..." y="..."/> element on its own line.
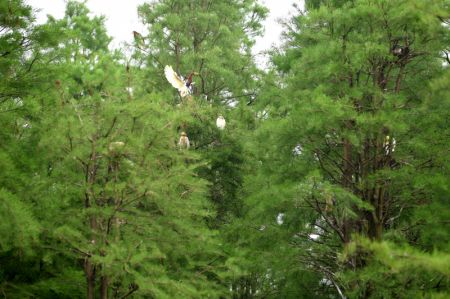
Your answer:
<point x="89" y="271"/>
<point x="104" y="287"/>
<point x="90" y="268"/>
<point x="346" y="183"/>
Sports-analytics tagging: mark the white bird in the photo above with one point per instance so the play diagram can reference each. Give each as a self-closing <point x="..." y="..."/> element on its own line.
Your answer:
<point x="220" y="122"/>
<point x="116" y="145"/>
<point x="176" y="81"/>
<point x="184" y="141"/>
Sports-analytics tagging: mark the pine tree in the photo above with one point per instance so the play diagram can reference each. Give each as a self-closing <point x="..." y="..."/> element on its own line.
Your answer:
<point x="211" y="38"/>
<point x="24" y="74"/>
<point x="340" y="192"/>
<point x="339" y="159"/>
<point x="121" y="211"/>
<point x="130" y="209"/>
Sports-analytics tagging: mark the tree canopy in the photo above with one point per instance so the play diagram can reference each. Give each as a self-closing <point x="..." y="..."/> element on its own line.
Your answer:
<point x="329" y="179"/>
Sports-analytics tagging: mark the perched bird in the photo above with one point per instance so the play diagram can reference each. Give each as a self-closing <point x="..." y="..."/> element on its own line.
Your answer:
<point x="116" y="146"/>
<point x="220" y="122"/>
<point x="400" y="51"/>
<point x="330" y="202"/>
<point x="184" y="86"/>
<point x="184" y="141"/>
<point x="389" y="145"/>
<point x="138" y="39"/>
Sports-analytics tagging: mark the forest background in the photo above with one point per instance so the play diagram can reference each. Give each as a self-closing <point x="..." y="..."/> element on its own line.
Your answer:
<point x="331" y="178"/>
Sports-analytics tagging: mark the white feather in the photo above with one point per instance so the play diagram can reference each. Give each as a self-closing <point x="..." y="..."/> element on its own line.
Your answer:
<point x="176" y="81"/>
<point x="220" y="122"/>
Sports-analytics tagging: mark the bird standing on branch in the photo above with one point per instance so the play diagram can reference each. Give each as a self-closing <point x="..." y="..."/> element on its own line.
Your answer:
<point x="116" y="146"/>
<point x="184" y="141"/>
<point x="389" y="145"/>
<point x="139" y="39"/>
<point x="220" y="122"/>
<point x="184" y="86"/>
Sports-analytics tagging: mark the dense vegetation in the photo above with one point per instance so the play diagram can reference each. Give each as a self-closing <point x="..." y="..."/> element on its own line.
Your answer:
<point x="330" y="180"/>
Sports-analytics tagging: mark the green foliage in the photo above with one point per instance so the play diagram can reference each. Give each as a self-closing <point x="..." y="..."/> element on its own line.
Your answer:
<point x="336" y="99"/>
<point x="19" y="230"/>
<point x="387" y="265"/>
<point x="212" y="38"/>
<point x="96" y="196"/>
<point x="330" y="180"/>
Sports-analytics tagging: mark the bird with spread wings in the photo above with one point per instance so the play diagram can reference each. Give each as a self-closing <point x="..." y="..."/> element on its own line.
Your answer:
<point x="184" y="86"/>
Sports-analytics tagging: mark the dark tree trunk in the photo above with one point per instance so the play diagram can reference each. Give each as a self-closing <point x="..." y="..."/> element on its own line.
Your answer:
<point x="104" y="287"/>
<point x="89" y="271"/>
<point x="347" y="183"/>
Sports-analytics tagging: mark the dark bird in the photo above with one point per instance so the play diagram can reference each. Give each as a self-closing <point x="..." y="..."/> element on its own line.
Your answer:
<point x="138" y="38"/>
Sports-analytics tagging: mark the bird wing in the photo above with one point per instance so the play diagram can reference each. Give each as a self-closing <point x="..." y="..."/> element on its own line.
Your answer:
<point x="176" y="80"/>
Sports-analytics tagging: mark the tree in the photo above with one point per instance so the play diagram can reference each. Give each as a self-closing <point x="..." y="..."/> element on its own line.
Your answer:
<point x="116" y="206"/>
<point x="24" y="74"/>
<point x="329" y="180"/>
<point x="136" y="207"/>
<point x="209" y="37"/>
<point x="136" y="219"/>
<point x="343" y="154"/>
<point x="213" y="39"/>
